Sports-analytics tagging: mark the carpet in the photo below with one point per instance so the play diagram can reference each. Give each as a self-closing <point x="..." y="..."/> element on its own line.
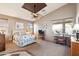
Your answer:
<point x="45" y="48"/>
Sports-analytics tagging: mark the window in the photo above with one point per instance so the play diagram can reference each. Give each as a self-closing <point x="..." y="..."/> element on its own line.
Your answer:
<point x="4" y="26"/>
<point x="30" y="27"/>
<point x="30" y="24"/>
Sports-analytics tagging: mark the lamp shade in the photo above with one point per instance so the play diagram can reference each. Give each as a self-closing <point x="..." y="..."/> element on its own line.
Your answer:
<point x="76" y="27"/>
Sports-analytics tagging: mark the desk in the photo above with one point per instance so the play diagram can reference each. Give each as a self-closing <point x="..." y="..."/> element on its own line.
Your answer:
<point x="62" y="40"/>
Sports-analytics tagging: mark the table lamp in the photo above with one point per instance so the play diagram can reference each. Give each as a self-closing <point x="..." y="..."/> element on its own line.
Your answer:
<point x="76" y="28"/>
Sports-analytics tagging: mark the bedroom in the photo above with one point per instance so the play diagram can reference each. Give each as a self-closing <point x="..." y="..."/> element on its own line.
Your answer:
<point x="36" y="34"/>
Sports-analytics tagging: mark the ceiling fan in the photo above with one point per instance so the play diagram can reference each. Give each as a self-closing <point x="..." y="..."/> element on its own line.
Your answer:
<point x="35" y="15"/>
<point x="34" y="8"/>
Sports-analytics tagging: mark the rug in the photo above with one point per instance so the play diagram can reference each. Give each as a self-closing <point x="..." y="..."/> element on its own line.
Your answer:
<point x="17" y="53"/>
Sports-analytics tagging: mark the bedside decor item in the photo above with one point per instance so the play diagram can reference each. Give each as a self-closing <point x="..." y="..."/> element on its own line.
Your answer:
<point x="76" y="28"/>
<point x="77" y="36"/>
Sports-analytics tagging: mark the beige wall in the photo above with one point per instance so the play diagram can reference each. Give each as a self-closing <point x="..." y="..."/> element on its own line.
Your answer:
<point x="12" y="23"/>
<point x="45" y="23"/>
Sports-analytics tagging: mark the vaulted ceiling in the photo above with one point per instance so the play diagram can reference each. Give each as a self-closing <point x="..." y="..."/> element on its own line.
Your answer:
<point x="16" y="10"/>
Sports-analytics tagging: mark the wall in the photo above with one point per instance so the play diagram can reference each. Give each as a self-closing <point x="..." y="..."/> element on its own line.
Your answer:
<point x="15" y="10"/>
<point x="45" y="23"/>
<point x="12" y="23"/>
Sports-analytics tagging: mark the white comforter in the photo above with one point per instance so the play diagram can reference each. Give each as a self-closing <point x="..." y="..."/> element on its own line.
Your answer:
<point x="24" y="40"/>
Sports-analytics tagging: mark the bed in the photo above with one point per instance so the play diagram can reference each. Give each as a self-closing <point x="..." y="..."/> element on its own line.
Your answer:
<point x="23" y="39"/>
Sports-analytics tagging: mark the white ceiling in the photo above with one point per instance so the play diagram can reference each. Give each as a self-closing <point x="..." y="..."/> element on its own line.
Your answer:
<point x="15" y="10"/>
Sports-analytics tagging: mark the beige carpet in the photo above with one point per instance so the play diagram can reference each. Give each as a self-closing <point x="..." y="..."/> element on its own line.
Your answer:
<point x="44" y="48"/>
<point x="41" y="48"/>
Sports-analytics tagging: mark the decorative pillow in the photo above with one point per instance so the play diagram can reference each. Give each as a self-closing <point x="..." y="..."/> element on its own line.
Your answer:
<point x="16" y="35"/>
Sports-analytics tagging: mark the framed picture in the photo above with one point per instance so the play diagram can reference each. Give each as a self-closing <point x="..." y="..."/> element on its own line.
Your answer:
<point x="19" y="25"/>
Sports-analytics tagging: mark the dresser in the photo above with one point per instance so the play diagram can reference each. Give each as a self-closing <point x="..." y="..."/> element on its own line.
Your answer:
<point x="74" y="47"/>
<point x="2" y="42"/>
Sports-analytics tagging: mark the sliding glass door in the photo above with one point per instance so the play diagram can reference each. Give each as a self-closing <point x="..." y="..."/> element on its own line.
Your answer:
<point x="63" y="28"/>
<point x="68" y="29"/>
<point x="57" y="29"/>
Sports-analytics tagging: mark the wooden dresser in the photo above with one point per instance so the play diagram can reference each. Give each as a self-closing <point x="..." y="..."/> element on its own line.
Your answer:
<point x="74" y="47"/>
<point x="2" y="42"/>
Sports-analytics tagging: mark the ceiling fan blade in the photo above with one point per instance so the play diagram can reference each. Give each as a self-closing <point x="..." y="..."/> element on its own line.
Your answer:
<point x="34" y="14"/>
